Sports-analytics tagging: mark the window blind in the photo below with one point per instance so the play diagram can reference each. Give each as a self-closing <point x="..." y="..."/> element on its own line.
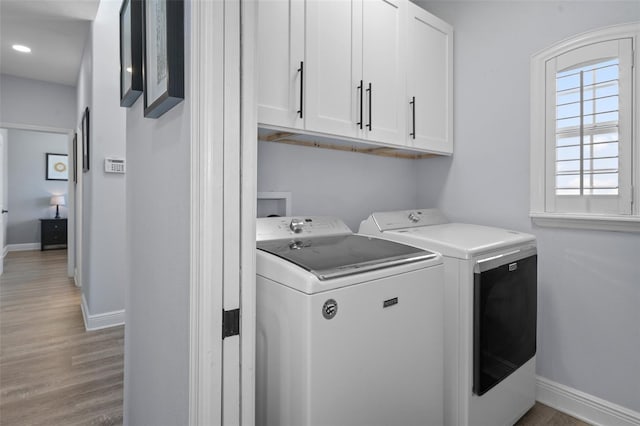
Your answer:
<point x="587" y="129"/>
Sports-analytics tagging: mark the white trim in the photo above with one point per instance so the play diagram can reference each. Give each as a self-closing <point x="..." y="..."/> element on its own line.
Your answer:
<point x="22" y="247"/>
<point x="583" y="406"/>
<point x="35" y="128"/>
<point x="205" y="269"/>
<point x="248" y="207"/>
<point x="595" y="222"/>
<point x="5" y="251"/>
<point x="100" y="321"/>
<point x="76" y="278"/>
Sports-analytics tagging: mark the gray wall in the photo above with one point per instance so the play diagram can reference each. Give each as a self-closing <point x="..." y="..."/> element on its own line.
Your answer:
<point x="4" y="134"/>
<point x="158" y="227"/>
<point x="589" y="281"/>
<point x="335" y="183"/>
<point x="100" y="196"/>
<point x="29" y="191"/>
<point x="31" y="102"/>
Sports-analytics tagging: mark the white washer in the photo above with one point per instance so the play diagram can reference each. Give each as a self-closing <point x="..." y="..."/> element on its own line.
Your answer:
<point x="349" y="327"/>
<point x="490" y="312"/>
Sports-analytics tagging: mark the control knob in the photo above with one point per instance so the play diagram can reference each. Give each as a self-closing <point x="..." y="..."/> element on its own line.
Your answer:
<point x="413" y="217"/>
<point x="296" y="225"/>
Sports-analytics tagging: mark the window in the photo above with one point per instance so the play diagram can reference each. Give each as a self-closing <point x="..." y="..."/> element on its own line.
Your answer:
<point x="582" y="132"/>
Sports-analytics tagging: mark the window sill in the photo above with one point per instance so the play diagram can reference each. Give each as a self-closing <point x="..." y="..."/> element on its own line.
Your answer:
<point x="595" y="222"/>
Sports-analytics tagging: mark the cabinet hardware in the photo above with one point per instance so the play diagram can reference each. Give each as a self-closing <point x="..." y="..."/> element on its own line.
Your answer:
<point x="413" y="115"/>
<point x="370" y="90"/>
<point x="301" y="71"/>
<point x="360" y="87"/>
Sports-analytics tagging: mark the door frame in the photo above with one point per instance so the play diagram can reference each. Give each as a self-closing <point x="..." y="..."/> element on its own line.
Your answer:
<point x="223" y="168"/>
<point x="71" y="201"/>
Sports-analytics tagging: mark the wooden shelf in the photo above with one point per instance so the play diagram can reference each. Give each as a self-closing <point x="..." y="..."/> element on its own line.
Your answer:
<point x="315" y="141"/>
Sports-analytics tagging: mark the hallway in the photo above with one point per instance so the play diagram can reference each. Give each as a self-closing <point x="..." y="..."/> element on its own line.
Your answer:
<point x="52" y="371"/>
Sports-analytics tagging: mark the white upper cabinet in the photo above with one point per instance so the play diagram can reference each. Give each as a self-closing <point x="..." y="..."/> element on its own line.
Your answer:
<point x="347" y="69"/>
<point x="333" y="44"/>
<point x="280" y="53"/>
<point x="429" y="82"/>
<point x="383" y="41"/>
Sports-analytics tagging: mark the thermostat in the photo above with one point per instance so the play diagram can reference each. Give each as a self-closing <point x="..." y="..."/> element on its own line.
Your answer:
<point x="114" y="165"/>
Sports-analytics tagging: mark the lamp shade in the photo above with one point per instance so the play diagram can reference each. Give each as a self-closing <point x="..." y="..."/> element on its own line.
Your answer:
<point x="57" y="200"/>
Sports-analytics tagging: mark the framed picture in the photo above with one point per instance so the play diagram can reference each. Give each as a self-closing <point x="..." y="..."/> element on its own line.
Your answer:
<point x="85" y="140"/>
<point x="130" y="52"/>
<point x="57" y="166"/>
<point x="163" y="55"/>
<point x="75" y="157"/>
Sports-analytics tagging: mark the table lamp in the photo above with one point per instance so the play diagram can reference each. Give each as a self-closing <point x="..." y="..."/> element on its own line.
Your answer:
<point x="57" y="200"/>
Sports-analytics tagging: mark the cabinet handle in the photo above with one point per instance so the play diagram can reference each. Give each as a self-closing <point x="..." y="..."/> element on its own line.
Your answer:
<point x="359" y="123"/>
<point x="413" y="114"/>
<point x="370" y="90"/>
<point x="301" y="71"/>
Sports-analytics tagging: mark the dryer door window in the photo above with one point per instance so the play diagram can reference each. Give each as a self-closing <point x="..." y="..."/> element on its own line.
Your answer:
<point x="505" y="304"/>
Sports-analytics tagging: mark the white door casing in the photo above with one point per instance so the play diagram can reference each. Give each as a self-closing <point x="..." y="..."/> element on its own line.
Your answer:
<point x="223" y="200"/>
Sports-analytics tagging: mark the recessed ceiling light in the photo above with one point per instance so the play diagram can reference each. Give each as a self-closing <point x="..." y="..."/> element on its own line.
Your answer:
<point x="21" y="48"/>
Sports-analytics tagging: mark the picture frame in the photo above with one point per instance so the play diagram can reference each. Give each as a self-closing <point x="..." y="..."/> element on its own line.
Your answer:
<point x="163" y="55"/>
<point x="75" y="157"/>
<point x="86" y="134"/>
<point x="130" y="52"/>
<point x="57" y="166"/>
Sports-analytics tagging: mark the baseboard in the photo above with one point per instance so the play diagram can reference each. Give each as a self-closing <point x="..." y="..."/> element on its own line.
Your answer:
<point x="23" y="247"/>
<point x="99" y="321"/>
<point x="589" y="408"/>
<point x="5" y="251"/>
<point x="76" y="279"/>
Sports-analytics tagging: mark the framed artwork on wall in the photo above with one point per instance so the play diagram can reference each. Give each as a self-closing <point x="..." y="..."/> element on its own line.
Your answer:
<point x="85" y="140"/>
<point x="75" y="157"/>
<point x="57" y="166"/>
<point x="163" y="55"/>
<point x="130" y="52"/>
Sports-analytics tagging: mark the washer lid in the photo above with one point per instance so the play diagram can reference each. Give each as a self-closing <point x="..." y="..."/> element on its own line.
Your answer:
<point x="461" y="240"/>
<point x="333" y="257"/>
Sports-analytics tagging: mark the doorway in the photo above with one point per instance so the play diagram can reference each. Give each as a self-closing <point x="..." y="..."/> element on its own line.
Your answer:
<point x="36" y="184"/>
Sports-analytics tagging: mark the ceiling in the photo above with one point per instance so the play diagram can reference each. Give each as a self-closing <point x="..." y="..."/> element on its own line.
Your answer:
<point x="55" y="30"/>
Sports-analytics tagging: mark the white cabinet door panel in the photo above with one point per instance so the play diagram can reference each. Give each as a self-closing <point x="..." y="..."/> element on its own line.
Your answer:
<point x="280" y="51"/>
<point x="429" y="80"/>
<point x="383" y="24"/>
<point x="332" y="76"/>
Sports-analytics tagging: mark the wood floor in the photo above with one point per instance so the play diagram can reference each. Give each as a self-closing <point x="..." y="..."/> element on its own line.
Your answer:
<point x="52" y="371"/>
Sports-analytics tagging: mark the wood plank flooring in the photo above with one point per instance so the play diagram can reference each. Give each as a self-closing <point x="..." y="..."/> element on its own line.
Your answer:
<point x="52" y="371"/>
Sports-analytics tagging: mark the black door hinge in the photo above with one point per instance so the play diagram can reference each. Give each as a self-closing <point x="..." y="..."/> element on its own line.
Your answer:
<point x="230" y="323"/>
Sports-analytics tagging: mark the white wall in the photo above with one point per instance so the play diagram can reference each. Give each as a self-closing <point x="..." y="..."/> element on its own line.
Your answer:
<point x="158" y="230"/>
<point x="29" y="191"/>
<point x="335" y="183"/>
<point x="589" y="281"/>
<point x="31" y="102"/>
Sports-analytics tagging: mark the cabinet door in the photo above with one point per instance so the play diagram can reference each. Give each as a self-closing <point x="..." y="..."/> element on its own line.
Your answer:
<point x="333" y="31"/>
<point x="280" y="52"/>
<point x="429" y="81"/>
<point x="383" y="39"/>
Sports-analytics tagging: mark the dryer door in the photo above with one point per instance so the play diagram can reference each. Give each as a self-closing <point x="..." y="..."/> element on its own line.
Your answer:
<point x="505" y="310"/>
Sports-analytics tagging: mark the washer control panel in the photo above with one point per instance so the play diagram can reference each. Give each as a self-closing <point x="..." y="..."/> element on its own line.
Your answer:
<point x="386" y="221"/>
<point x="279" y="228"/>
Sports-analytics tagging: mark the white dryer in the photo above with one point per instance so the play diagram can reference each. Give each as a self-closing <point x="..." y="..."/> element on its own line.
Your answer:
<point x="349" y="327"/>
<point x="490" y="312"/>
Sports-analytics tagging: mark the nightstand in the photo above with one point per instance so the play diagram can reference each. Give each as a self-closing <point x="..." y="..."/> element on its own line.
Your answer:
<point x="53" y="233"/>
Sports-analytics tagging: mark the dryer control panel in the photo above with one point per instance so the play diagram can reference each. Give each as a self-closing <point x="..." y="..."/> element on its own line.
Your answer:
<point x="279" y="228"/>
<point x="386" y="221"/>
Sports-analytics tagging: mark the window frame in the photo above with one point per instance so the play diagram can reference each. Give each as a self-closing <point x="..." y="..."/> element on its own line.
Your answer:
<point x="540" y="158"/>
